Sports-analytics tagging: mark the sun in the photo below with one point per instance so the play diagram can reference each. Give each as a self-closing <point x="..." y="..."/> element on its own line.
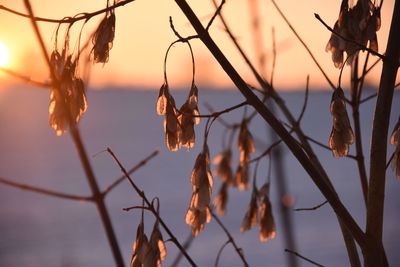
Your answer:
<point x="4" y="55"/>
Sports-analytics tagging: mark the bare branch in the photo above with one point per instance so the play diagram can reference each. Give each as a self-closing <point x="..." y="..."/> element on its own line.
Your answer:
<point x="44" y="191"/>
<point x="304" y="258"/>
<point x="132" y="170"/>
<point x="70" y="19"/>
<point x="239" y="251"/>
<point x="217" y="12"/>
<point x="186" y="246"/>
<point x="303" y="109"/>
<point x="312" y="208"/>
<point x="27" y="79"/>
<point x="362" y="101"/>
<point x="153" y="210"/>
<point x="220" y="252"/>
<point x="304" y="44"/>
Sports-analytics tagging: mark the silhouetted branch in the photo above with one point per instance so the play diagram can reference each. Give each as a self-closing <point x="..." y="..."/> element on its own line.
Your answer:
<point x="70" y="19"/>
<point x="136" y="208"/>
<point x="216" y="114"/>
<point x="304" y="258"/>
<point x="362" y="47"/>
<point x="267" y="151"/>
<point x="27" y="79"/>
<point x="373" y="66"/>
<point x="186" y="246"/>
<point x="312" y="208"/>
<point x="362" y="101"/>
<point x="217" y="12"/>
<point x="239" y="251"/>
<point x="220" y="252"/>
<point x="304" y="44"/>
<point x="303" y="109"/>
<point x="154" y="211"/>
<point x="132" y="170"/>
<point x="44" y="191"/>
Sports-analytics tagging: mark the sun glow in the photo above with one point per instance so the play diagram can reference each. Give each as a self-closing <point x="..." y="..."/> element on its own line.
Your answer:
<point x="4" y="55"/>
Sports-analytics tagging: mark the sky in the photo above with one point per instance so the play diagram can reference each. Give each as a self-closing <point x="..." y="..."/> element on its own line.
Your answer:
<point x="143" y="35"/>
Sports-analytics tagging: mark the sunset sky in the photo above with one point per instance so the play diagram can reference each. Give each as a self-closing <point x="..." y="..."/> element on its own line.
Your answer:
<point x="143" y="35"/>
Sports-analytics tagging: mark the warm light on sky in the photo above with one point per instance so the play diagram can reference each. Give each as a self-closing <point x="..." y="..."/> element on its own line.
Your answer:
<point x="143" y="35"/>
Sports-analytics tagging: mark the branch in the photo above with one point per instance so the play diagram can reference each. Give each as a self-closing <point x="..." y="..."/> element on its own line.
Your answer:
<point x="217" y="12"/>
<point x="313" y="208"/>
<point x="303" y="109"/>
<point x="304" y="258"/>
<point x="239" y="251"/>
<point x="220" y="252"/>
<point x="304" y="159"/>
<point x="304" y="44"/>
<point x="362" y="47"/>
<point x="186" y="246"/>
<point x="44" y="191"/>
<point x="219" y="113"/>
<point x="43" y="85"/>
<point x="132" y="170"/>
<point x="82" y="16"/>
<point x="151" y="207"/>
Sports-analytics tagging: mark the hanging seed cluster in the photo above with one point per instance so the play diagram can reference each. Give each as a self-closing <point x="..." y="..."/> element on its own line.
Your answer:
<point x="358" y="23"/>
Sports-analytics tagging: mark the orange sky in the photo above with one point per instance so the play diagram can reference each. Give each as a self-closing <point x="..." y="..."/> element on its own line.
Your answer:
<point x="143" y="35"/>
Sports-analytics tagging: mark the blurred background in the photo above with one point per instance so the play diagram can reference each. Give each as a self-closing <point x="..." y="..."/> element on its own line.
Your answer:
<point x="36" y="230"/>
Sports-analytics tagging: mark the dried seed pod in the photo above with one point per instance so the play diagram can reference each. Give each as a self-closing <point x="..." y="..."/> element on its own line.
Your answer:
<point x="221" y="199"/>
<point x="223" y="166"/>
<point x="140" y="247"/>
<point x="251" y="217"/>
<point x="358" y="23"/>
<point x="67" y="96"/>
<point x="103" y="38"/>
<point x="156" y="251"/>
<point x="189" y="117"/>
<point x="202" y="182"/>
<point x="267" y="224"/>
<point x="341" y="135"/>
<point x="245" y="142"/>
<point x="242" y="176"/>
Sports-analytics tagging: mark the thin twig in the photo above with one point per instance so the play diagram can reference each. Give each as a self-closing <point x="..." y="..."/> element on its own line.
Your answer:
<point x="136" y="208"/>
<point x="304" y="44"/>
<point x="219" y="113"/>
<point x="220" y="252"/>
<point x="362" y="101"/>
<point x="318" y="143"/>
<point x="390" y="160"/>
<point x="230" y="239"/>
<point x="362" y="47"/>
<point x="267" y="151"/>
<point x="148" y="203"/>
<point x="44" y="191"/>
<point x="304" y="258"/>
<point x="186" y="246"/>
<point x="373" y="66"/>
<point x="303" y="109"/>
<point x="216" y="13"/>
<point x="313" y="208"/>
<point x="69" y="19"/>
<point x="132" y="170"/>
<point x="27" y="79"/>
